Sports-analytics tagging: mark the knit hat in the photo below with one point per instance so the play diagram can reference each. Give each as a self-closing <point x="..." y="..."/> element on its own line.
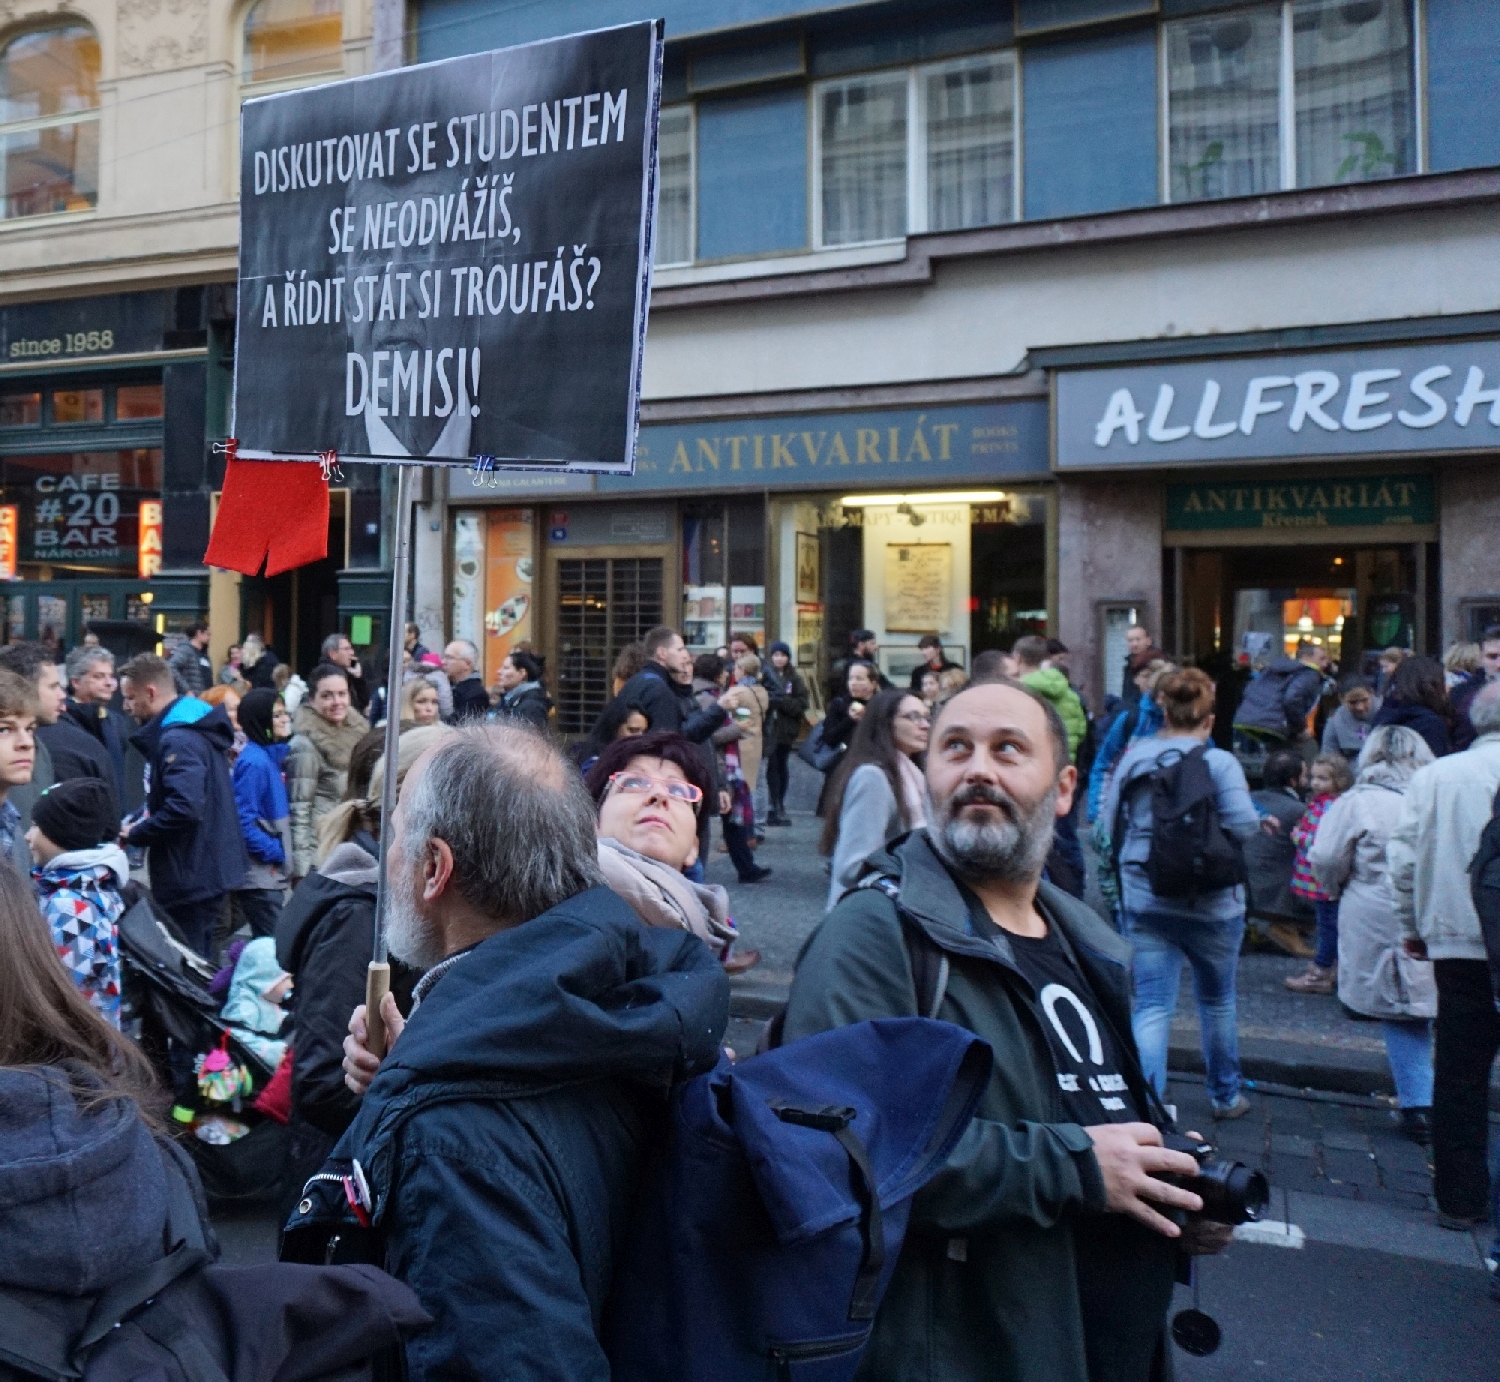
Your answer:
<point x="80" y="813"/>
<point x="778" y="647"/>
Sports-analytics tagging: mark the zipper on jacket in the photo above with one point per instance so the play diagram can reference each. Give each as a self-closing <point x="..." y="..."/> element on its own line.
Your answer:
<point x="787" y="1354"/>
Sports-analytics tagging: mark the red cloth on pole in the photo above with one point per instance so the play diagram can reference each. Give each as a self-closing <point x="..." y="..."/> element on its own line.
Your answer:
<point x="271" y="511"/>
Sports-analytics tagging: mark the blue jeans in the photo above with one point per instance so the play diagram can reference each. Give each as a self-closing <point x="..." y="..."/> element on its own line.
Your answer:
<point x="1408" y="1047"/>
<point x="1328" y="934"/>
<point x="1161" y="942"/>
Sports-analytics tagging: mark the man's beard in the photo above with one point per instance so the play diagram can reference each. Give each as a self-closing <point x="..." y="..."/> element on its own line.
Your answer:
<point x="408" y="934"/>
<point x="1014" y="850"/>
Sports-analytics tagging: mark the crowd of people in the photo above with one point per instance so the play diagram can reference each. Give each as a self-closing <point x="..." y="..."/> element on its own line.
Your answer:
<point x="560" y="962"/>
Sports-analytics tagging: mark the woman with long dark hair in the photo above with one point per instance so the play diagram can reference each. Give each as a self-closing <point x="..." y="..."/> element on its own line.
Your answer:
<point x="878" y="791"/>
<point x="1418" y="699"/>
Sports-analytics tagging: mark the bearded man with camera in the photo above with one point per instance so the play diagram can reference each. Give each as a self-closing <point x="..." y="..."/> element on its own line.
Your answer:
<point x="1047" y="1248"/>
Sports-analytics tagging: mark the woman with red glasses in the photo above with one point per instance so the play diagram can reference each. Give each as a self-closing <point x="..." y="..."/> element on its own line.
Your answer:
<point x="650" y="790"/>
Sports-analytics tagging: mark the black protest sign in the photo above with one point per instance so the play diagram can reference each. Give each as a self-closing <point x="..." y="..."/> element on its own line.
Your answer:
<point x="452" y="260"/>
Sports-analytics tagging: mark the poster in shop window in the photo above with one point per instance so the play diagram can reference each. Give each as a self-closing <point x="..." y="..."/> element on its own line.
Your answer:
<point x="452" y="260"/>
<point x="918" y="587"/>
<point x="507" y="586"/>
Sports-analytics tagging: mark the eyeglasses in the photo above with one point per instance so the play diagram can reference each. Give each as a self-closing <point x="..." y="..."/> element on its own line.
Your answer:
<point x="915" y="717"/>
<point x="639" y="783"/>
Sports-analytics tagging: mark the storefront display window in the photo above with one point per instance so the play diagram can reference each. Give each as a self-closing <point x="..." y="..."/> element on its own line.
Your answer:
<point x="72" y="407"/>
<point x="723" y="573"/>
<point x="493" y="588"/>
<point x="968" y="566"/>
<point x="80" y="510"/>
<point x="138" y="402"/>
<point x="20" y="409"/>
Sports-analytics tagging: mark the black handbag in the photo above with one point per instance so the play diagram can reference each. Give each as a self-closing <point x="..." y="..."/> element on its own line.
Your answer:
<point x="816" y="754"/>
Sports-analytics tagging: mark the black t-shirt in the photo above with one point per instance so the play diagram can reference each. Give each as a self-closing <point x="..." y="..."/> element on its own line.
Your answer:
<point x="1084" y="1052"/>
<point x="1125" y="1271"/>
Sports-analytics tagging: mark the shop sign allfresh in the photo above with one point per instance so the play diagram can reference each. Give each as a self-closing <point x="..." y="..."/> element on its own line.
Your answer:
<point x="1359" y="501"/>
<point x="1384" y="401"/>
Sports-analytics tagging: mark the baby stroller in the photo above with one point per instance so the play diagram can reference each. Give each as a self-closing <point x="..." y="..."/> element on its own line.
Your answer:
<point x="171" y="1013"/>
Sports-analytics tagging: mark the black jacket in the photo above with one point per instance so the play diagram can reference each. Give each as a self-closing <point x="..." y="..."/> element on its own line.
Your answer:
<point x="1420" y="718"/>
<point x="788" y="694"/>
<point x="528" y="702"/>
<point x="110" y="729"/>
<point x="507" y="1131"/>
<point x="76" y="753"/>
<point x="470" y="700"/>
<point x="192" y="828"/>
<point x="323" y="940"/>
<point x="669" y="705"/>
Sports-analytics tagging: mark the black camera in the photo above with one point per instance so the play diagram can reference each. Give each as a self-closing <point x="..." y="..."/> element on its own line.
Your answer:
<point x="1231" y="1192"/>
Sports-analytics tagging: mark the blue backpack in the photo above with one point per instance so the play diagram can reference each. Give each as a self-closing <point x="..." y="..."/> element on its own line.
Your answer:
<point x="771" y="1223"/>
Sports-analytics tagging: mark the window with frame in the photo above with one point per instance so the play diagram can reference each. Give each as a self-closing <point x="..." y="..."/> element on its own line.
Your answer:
<point x="674" y="204"/>
<point x="290" y="41"/>
<point x="1303" y="93"/>
<point x="922" y="149"/>
<point x="49" y="122"/>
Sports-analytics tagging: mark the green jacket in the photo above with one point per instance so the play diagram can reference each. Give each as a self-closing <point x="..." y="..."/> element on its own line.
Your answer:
<point x="986" y="1287"/>
<point x="1053" y="686"/>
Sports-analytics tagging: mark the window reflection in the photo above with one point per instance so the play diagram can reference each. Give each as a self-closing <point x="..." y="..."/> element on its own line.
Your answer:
<point x="74" y="406"/>
<point x="20" y="409"/>
<point x="293" y="38"/>
<point x="49" y="86"/>
<point x="134" y="402"/>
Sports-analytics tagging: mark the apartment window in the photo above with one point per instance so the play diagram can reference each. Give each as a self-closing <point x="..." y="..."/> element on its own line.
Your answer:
<point x="49" y="122"/>
<point x="1352" y="61"/>
<point x="1299" y="94"/>
<point x="928" y="148"/>
<point x="863" y="132"/>
<point x="674" y="199"/>
<point x="968" y="126"/>
<point x="290" y="40"/>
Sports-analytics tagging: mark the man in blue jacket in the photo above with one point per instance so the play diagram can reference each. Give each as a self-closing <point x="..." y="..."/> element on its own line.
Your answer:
<point x="505" y="1132"/>
<point x="191" y="827"/>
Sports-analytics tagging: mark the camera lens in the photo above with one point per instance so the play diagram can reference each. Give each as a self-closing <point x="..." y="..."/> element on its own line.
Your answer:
<point x="1248" y="1190"/>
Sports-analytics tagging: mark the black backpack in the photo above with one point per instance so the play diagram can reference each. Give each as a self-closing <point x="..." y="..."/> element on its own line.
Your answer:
<point x="1191" y="853"/>
<point x="184" y="1318"/>
<point x="1484" y="885"/>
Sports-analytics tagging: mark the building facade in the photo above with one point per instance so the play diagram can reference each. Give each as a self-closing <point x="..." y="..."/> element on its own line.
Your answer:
<point x="968" y="318"/>
<point x="119" y="126"/>
<point x="925" y="275"/>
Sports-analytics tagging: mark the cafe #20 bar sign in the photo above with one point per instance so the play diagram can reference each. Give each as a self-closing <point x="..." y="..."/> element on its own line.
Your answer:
<point x="452" y="260"/>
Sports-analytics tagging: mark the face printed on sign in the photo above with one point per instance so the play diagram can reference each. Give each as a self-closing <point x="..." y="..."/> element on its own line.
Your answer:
<point x="405" y="395"/>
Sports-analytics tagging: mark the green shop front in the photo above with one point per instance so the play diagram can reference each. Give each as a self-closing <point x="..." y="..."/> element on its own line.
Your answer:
<point x="1321" y="496"/>
<point x="798" y="525"/>
<point x="103" y="505"/>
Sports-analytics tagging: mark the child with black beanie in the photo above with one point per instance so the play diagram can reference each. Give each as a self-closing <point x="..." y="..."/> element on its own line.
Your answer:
<point x="79" y="871"/>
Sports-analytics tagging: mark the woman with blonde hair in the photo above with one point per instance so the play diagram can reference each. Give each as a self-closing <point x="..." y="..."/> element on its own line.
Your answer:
<point x="1204" y="929"/>
<point x="420" y="706"/>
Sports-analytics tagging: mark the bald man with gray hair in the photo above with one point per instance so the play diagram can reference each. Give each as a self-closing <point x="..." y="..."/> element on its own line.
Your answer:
<point x="470" y="700"/>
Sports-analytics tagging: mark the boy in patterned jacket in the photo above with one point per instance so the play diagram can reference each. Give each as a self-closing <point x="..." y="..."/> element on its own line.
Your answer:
<point x="79" y="873"/>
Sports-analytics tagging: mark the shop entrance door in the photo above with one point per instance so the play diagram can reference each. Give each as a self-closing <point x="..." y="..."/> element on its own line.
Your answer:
<point x="1239" y="607"/>
<point x="604" y="601"/>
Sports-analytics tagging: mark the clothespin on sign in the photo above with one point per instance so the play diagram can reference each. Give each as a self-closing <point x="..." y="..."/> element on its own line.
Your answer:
<point x="483" y="465"/>
<point x="329" y="460"/>
<point x="228" y="448"/>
